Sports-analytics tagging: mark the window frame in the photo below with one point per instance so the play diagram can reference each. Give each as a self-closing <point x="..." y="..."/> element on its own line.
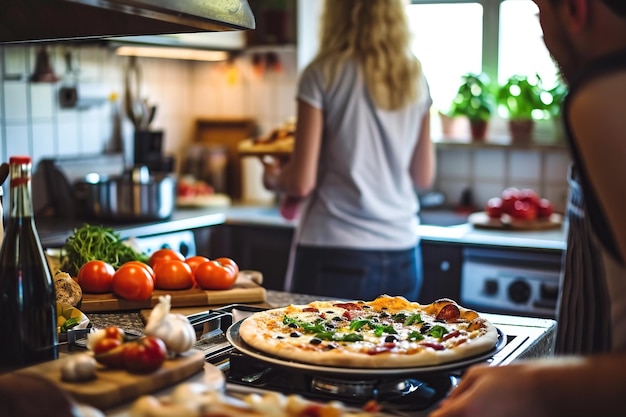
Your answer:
<point x="491" y="31"/>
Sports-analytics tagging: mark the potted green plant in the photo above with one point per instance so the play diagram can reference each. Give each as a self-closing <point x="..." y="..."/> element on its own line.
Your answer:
<point x="474" y="100"/>
<point x="553" y="99"/>
<point x="520" y="98"/>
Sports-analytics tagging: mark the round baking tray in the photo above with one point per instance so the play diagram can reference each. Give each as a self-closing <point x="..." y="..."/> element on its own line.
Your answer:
<point x="237" y="342"/>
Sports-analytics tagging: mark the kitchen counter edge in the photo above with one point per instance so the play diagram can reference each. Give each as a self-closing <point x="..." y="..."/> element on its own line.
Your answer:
<point x="53" y="231"/>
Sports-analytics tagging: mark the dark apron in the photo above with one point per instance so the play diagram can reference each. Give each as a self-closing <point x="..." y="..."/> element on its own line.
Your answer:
<point x="584" y="320"/>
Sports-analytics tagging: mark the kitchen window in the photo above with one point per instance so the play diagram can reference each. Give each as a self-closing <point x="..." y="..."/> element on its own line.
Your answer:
<point x="499" y="37"/>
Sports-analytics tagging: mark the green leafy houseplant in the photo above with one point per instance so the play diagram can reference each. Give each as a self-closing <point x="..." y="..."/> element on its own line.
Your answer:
<point x="520" y="98"/>
<point x="553" y="99"/>
<point x="474" y="100"/>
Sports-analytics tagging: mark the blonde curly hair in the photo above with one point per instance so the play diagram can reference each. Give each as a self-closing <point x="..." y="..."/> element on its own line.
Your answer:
<point x="376" y="34"/>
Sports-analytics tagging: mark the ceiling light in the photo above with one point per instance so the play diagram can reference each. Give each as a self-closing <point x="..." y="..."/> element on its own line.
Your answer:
<point x="172" y="53"/>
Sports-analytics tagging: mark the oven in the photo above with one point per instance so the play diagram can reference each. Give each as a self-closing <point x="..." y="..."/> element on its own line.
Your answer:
<point x="182" y="241"/>
<point x="511" y="281"/>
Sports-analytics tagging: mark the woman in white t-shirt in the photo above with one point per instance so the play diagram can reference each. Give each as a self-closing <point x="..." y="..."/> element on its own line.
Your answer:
<point x="362" y="148"/>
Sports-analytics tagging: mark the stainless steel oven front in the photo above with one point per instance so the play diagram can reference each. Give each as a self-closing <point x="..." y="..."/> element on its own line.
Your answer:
<point x="511" y="281"/>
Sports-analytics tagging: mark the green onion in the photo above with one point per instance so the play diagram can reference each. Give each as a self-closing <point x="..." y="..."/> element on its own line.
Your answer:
<point x="96" y="243"/>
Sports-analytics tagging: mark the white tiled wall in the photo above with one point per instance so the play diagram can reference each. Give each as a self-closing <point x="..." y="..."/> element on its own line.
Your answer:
<point x="33" y="123"/>
<point x="487" y="171"/>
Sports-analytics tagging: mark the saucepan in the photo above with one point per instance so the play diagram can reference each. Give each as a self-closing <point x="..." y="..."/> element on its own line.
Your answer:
<point x="136" y="195"/>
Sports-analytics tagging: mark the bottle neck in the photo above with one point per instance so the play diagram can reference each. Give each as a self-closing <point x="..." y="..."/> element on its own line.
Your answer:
<point x="20" y="192"/>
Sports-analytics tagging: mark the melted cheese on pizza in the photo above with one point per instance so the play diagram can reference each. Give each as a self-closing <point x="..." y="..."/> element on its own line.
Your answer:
<point x="371" y="328"/>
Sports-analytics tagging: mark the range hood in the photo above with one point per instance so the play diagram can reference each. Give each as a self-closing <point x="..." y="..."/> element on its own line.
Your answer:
<point x="60" y="20"/>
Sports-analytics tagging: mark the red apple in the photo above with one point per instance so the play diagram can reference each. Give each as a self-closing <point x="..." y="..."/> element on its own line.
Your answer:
<point x="509" y="196"/>
<point x="529" y="195"/>
<point x="544" y="208"/>
<point x="494" y="207"/>
<point x="523" y="210"/>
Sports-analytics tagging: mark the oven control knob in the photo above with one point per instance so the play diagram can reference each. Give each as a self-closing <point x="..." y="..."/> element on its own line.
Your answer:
<point x="519" y="291"/>
<point x="183" y="248"/>
<point x="490" y="287"/>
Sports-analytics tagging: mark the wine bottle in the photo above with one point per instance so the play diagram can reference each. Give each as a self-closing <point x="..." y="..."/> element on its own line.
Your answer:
<point x="27" y="296"/>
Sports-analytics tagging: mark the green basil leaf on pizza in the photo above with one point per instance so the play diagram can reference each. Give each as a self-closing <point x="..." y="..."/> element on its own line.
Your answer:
<point x="388" y="332"/>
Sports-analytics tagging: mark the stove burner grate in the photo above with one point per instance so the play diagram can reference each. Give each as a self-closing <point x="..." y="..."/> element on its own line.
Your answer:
<point x="396" y="392"/>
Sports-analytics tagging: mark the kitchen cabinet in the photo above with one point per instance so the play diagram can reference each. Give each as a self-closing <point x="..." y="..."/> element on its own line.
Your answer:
<point x="262" y="248"/>
<point x="276" y="22"/>
<point x="442" y="263"/>
<point x="226" y="133"/>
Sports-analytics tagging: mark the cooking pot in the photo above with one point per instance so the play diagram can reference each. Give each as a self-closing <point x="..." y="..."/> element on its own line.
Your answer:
<point x="134" y="195"/>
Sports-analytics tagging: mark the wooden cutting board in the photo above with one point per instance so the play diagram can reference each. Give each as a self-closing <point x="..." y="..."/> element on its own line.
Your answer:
<point x="115" y="386"/>
<point x="482" y="221"/>
<point x="247" y="289"/>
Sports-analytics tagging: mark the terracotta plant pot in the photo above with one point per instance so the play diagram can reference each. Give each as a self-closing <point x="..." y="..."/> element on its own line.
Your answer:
<point x="521" y="131"/>
<point x="454" y="127"/>
<point x="478" y="129"/>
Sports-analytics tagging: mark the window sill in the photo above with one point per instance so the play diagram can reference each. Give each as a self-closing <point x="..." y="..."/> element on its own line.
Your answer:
<point x="498" y="143"/>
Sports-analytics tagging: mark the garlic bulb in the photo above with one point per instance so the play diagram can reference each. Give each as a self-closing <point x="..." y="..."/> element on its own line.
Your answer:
<point x="174" y="329"/>
<point x="79" y="367"/>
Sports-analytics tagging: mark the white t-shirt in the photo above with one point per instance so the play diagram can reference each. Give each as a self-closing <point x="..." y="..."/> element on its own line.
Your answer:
<point x="364" y="196"/>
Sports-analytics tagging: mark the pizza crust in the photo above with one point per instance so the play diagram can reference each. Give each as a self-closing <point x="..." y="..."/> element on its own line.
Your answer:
<point x="266" y="332"/>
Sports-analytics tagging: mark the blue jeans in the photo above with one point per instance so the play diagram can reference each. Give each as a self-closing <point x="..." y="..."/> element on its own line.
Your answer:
<point x="357" y="274"/>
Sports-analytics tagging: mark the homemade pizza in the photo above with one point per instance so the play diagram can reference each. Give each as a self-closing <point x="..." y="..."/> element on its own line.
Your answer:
<point x="388" y="332"/>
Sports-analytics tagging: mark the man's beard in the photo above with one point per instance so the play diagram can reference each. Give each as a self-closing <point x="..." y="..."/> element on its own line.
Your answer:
<point x="560" y="74"/>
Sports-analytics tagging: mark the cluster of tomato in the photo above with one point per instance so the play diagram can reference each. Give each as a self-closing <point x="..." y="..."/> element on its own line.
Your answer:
<point x="143" y="355"/>
<point x="167" y="270"/>
<point x="521" y="204"/>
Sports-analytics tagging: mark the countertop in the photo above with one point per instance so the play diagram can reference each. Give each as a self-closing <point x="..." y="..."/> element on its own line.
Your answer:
<point x="53" y="231"/>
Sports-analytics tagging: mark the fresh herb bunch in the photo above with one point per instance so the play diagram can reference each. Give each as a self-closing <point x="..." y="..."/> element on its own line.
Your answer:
<point x="90" y="243"/>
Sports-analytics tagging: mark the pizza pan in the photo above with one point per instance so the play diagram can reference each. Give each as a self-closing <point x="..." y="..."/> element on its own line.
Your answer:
<point x="238" y="343"/>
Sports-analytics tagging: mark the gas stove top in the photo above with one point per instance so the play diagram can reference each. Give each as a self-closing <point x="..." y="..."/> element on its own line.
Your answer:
<point x="410" y="394"/>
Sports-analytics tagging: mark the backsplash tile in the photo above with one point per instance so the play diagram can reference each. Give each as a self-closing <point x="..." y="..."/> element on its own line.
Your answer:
<point x="17" y="140"/>
<point x="43" y="141"/>
<point x="42" y="99"/>
<point x="556" y="165"/>
<point x="489" y="164"/>
<point x="487" y="171"/>
<point x="453" y="190"/>
<point x="524" y="167"/>
<point x="484" y="190"/>
<point x="454" y="163"/>
<point x="15" y="101"/>
<point x="15" y="65"/>
<point x="32" y="121"/>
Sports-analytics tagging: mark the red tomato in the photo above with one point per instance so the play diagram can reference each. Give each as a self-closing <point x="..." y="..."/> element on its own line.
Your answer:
<point x="96" y="277"/>
<point x="185" y="189"/>
<point x="141" y="264"/>
<point x="523" y="210"/>
<point x="133" y="283"/>
<point x="214" y="275"/>
<point x="144" y="355"/>
<point x="194" y="261"/>
<point x="494" y="207"/>
<point x="114" y="332"/>
<point x="110" y="352"/>
<point x="228" y="261"/>
<point x="509" y="197"/>
<point x="544" y="208"/>
<point x="173" y="275"/>
<point x="529" y="195"/>
<point x="106" y="344"/>
<point x="165" y="255"/>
